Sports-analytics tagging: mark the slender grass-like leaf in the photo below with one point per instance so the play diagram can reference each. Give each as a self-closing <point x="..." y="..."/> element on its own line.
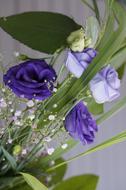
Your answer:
<point x="116" y="108"/>
<point x="115" y="140"/>
<point x="10" y="158"/>
<point x="33" y="182"/>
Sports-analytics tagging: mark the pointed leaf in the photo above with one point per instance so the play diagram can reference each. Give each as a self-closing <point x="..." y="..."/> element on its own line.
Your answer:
<point x="10" y="158"/>
<point x="34" y="183"/>
<point x="82" y="182"/>
<point x="42" y="31"/>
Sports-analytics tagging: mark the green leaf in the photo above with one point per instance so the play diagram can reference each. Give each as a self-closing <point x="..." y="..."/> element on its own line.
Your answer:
<point x="121" y="71"/>
<point x="97" y="13"/>
<point x="94" y="107"/>
<point x="118" y="58"/>
<point x="42" y="31"/>
<point x="82" y="182"/>
<point x="34" y="183"/>
<point x="116" y="108"/>
<point x="10" y="182"/>
<point x="10" y="158"/>
<point x="115" y="140"/>
<point x="58" y="174"/>
<point x="92" y="30"/>
<point x="37" y="168"/>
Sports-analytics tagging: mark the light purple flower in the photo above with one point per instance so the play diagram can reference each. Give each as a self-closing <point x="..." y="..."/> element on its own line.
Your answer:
<point x="80" y="124"/>
<point x="77" y="62"/>
<point x="105" y="85"/>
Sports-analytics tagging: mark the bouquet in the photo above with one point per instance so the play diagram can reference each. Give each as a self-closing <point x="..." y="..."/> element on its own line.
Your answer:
<point x="49" y="104"/>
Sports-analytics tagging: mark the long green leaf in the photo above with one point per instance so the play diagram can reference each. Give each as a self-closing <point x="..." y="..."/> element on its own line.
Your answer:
<point x="10" y="158"/>
<point x="83" y="182"/>
<point x="34" y="183"/>
<point x="71" y="143"/>
<point x="42" y="31"/>
<point x="116" y="108"/>
<point x="115" y="140"/>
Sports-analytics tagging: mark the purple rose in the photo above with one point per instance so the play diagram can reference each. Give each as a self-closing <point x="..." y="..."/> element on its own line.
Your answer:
<point x="31" y="79"/>
<point x="80" y="124"/>
<point x="77" y="62"/>
<point x="105" y="85"/>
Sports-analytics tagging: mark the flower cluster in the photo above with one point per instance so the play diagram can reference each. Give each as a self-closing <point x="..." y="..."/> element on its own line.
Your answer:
<point x="35" y="79"/>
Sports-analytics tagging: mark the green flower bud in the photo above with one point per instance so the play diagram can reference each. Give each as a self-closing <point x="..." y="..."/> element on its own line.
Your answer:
<point x="76" y="40"/>
<point x="17" y="150"/>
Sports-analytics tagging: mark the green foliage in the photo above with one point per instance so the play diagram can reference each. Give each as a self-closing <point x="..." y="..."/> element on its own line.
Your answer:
<point x="121" y="71"/>
<point x="9" y="183"/>
<point x="83" y="182"/>
<point x="34" y="183"/>
<point x="37" y="168"/>
<point x="9" y="158"/>
<point x="58" y="174"/>
<point x="92" y="30"/>
<point x="116" y="139"/>
<point x="95" y="108"/>
<point x="42" y="31"/>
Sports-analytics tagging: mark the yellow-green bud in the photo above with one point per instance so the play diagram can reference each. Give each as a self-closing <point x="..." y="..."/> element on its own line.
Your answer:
<point x="76" y="40"/>
<point x="17" y="150"/>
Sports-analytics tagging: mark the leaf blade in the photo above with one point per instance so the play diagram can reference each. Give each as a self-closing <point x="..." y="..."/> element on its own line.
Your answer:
<point x="34" y="183"/>
<point x="42" y="31"/>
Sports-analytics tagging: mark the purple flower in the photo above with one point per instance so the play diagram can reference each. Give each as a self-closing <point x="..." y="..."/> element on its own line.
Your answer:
<point x="31" y="79"/>
<point x="77" y="62"/>
<point x="80" y="124"/>
<point x="105" y="85"/>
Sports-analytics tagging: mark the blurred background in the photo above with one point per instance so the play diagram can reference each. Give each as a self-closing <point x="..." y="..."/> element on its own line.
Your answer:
<point x="109" y="164"/>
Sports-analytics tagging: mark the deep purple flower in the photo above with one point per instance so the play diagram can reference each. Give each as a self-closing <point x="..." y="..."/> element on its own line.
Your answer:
<point x="77" y="62"/>
<point x="31" y="79"/>
<point x="105" y="85"/>
<point x="80" y="124"/>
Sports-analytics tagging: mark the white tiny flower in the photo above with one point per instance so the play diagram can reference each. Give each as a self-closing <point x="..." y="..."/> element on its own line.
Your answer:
<point x="18" y="113"/>
<point x="3" y="90"/>
<point x="63" y="119"/>
<point x="51" y="117"/>
<point x="55" y="106"/>
<point x="52" y="163"/>
<point x="24" y="152"/>
<point x="64" y="146"/>
<point x="48" y="178"/>
<point x="31" y="117"/>
<point x="50" y="151"/>
<point x="11" y="110"/>
<point x="47" y="139"/>
<point x="54" y="89"/>
<point x="10" y="141"/>
<point x="3" y="103"/>
<point x="16" y="53"/>
<point x="30" y="103"/>
<point x="18" y="123"/>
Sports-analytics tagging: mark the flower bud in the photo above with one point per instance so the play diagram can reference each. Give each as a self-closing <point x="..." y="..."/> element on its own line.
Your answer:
<point x="76" y="40"/>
